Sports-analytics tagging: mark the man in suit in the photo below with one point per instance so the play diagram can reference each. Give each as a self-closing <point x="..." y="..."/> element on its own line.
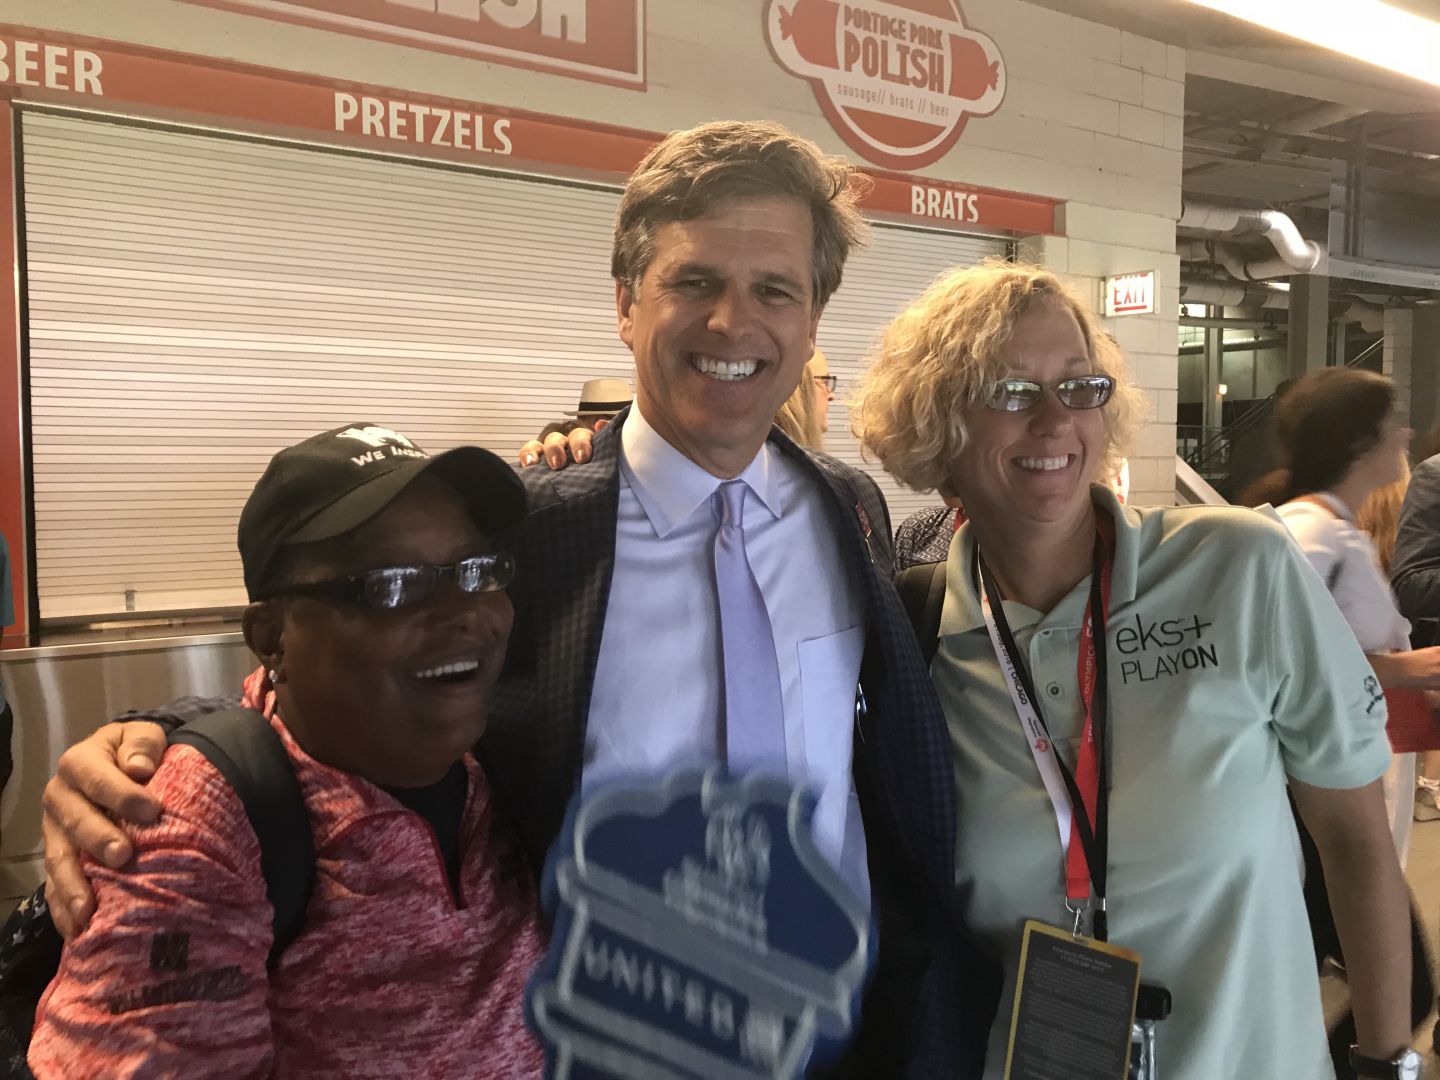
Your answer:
<point x="729" y="241"/>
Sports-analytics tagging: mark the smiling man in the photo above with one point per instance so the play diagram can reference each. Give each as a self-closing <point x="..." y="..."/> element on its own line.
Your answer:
<point x="730" y="239"/>
<point x="705" y="590"/>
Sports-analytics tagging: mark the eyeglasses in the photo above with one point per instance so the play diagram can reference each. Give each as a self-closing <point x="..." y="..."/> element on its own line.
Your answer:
<point x="393" y="587"/>
<point x="1082" y="392"/>
<point x="829" y="382"/>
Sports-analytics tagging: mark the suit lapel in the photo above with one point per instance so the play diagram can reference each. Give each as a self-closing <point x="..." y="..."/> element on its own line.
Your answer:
<point x="567" y="560"/>
<point x="903" y="739"/>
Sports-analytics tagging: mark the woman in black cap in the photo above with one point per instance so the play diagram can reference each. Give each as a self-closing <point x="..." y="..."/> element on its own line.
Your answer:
<point x="379" y="614"/>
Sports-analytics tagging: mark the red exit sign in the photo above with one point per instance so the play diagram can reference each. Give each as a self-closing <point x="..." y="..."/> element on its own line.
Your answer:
<point x="1130" y="294"/>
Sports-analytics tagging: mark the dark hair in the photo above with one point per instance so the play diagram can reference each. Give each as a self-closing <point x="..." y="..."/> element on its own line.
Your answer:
<point x="1426" y="446"/>
<point x="689" y="172"/>
<point x="1326" y="422"/>
<point x="1270" y="488"/>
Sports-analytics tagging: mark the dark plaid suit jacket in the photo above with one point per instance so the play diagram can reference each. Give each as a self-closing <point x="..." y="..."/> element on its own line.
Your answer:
<point x="933" y="995"/>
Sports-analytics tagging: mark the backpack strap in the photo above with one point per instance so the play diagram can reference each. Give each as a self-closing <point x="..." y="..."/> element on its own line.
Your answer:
<point x="250" y="755"/>
<point x="1333" y="577"/>
<point x="922" y="591"/>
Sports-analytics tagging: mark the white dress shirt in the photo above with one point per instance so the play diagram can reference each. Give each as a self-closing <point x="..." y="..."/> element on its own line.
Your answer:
<point x="659" y="687"/>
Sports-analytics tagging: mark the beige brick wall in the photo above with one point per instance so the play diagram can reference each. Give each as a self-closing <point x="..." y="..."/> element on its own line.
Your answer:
<point x="1092" y="116"/>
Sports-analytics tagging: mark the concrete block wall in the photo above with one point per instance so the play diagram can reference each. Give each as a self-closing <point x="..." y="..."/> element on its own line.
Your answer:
<point x="1112" y="150"/>
<point x="1396" y="363"/>
<point x="1092" y="116"/>
<point x="1424" y="402"/>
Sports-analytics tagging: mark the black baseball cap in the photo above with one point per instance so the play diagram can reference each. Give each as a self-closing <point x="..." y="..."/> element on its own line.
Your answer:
<point x="334" y="482"/>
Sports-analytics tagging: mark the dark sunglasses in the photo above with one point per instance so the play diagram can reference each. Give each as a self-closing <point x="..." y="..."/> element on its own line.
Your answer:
<point x="394" y="587"/>
<point x="1082" y="392"/>
<point x="829" y="382"/>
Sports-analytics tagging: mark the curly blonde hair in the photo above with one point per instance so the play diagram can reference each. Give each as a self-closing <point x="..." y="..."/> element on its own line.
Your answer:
<point x="943" y="355"/>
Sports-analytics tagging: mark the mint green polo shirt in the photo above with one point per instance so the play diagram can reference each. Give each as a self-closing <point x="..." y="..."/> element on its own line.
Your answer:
<point x="1230" y="668"/>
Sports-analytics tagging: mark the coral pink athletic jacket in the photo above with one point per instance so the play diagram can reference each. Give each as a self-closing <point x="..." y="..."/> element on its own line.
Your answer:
<point x="388" y="977"/>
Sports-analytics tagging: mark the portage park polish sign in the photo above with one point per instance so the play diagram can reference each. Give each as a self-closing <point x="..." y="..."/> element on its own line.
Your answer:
<point x="897" y="80"/>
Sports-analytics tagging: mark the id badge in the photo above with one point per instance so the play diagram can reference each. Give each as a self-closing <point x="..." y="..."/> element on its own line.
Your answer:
<point x="1074" y="1007"/>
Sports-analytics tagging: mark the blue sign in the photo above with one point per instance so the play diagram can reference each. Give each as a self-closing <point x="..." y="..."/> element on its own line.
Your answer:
<point x="699" y="934"/>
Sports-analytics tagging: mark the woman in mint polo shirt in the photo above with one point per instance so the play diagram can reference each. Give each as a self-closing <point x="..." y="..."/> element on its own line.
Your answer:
<point x="1224" y="671"/>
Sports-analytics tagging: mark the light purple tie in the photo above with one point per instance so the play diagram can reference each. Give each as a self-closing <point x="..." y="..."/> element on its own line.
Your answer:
<point x="754" y="732"/>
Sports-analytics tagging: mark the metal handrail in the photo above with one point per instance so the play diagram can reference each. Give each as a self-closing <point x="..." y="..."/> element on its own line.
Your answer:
<point x="1220" y="444"/>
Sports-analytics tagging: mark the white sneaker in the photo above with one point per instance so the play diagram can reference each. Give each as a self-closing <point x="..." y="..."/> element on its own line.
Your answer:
<point x="1427" y="801"/>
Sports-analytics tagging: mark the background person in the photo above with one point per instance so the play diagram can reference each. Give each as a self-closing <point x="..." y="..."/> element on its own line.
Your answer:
<point x="823" y="383"/>
<point x="801" y="417"/>
<point x="1345" y="448"/>
<point x="1228" y="666"/>
<point x="379" y="615"/>
<point x="1415" y="577"/>
<point x="1343" y="442"/>
<point x="924" y="536"/>
<point x="1379" y="516"/>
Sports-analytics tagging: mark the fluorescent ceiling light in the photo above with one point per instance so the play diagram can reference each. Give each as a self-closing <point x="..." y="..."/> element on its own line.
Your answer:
<point x="1368" y="30"/>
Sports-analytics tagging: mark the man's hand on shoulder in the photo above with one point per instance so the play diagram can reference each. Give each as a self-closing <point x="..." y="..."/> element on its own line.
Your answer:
<point x="100" y="776"/>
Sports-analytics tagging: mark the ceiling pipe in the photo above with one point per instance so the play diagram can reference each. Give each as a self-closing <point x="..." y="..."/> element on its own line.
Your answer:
<point x="1230" y="324"/>
<point x="1234" y="259"/>
<point x="1192" y="250"/>
<point x="1300" y="256"/>
<point x="1371" y="317"/>
<point x="1225" y="294"/>
<point x="1238" y="265"/>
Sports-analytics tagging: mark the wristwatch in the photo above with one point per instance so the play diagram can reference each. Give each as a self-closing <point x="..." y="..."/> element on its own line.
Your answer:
<point x="1405" y="1067"/>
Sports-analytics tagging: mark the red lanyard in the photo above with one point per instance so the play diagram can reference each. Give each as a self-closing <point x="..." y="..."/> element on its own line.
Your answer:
<point x="1080" y="799"/>
<point x="1087" y="758"/>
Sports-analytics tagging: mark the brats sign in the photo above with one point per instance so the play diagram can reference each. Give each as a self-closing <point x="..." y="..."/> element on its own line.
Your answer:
<point x="897" y="80"/>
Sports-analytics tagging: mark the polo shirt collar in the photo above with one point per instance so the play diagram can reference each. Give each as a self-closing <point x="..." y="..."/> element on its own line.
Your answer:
<point x="962" y="614"/>
<point x="670" y="487"/>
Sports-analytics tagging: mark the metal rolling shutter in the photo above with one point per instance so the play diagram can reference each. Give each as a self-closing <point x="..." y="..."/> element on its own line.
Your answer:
<point x="892" y="270"/>
<point x="197" y="302"/>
